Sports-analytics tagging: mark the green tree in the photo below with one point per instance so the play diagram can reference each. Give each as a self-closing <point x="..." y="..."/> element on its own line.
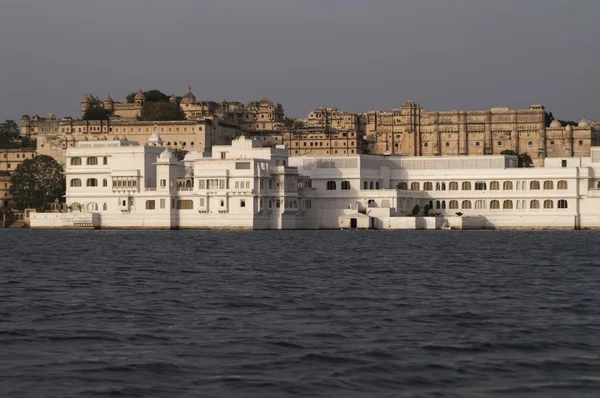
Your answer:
<point x="179" y="153"/>
<point x="36" y="182"/>
<point x="95" y="113"/>
<point x="426" y="210"/>
<point x="549" y="118"/>
<point x="524" y="159"/>
<point x="151" y="96"/>
<point x="9" y="134"/>
<point x="415" y="210"/>
<point x="162" y="111"/>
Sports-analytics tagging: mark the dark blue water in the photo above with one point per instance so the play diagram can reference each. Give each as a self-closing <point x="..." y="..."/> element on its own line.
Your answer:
<point x="299" y="313"/>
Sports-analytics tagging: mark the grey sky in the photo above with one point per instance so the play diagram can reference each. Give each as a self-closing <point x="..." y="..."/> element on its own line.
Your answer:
<point x="356" y="55"/>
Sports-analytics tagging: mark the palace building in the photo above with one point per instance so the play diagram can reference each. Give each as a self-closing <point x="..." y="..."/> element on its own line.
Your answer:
<point x="120" y="184"/>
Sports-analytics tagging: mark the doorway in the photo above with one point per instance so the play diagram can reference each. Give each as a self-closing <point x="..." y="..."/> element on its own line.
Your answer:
<point x="353" y="223"/>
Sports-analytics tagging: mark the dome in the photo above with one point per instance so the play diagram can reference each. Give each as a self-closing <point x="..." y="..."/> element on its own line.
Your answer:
<point x="166" y="155"/>
<point x="173" y="98"/>
<point x="555" y="125"/>
<point x="189" y="97"/>
<point x="585" y="124"/>
<point x="140" y="96"/>
<point x="155" y="139"/>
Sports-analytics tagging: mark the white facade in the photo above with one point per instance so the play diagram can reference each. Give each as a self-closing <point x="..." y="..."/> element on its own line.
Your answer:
<point x="119" y="184"/>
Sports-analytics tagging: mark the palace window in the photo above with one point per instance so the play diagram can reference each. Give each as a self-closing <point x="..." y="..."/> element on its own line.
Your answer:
<point x="480" y="204"/>
<point x="75" y="161"/>
<point x="105" y="182"/>
<point x="428" y="186"/>
<point x="453" y="205"/>
<point x="163" y="183"/>
<point x="508" y="204"/>
<point x="562" y="184"/>
<point x="466" y="186"/>
<point x="480" y="186"/>
<point x="105" y="161"/>
<point x="548" y="185"/>
<point x="163" y="203"/>
<point x="75" y="182"/>
<point x="530" y="143"/>
<point x="377" y="185"/>
<point x="403" y="186"/>
<point x="494" y="186"/>
<point x="499" y="143"/>
<point x="563" y="204"/>
<point x="507" y="186"/>
<point x="534" y="185"/>
<point x="345" y="185"/>
<point x="150" y="205"/>
<point x="494" y="204"/>
<point x="242" y="202"/>
<point x="580" y="144"/>
<point x="466" y="204"/>
<point x="185" y="204"/>
<point x="92" y="182"/>
<point x="92" y="161"/>
<point x="453" y="186"/>
<point x="331" y="186"/>
<point x="534" y="204"/>
<point x="548" y="204"/>
<point x="415" y="186"/>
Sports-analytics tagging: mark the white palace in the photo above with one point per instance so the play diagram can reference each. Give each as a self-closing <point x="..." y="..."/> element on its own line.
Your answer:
<point x="121" y="184"/>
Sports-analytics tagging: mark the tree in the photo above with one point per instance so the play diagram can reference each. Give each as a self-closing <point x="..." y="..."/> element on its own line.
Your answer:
<point x="162" y="111"/>
<point x="95" y="113"/>
<point x="37" y="182"/>
<point x="524" y="159"/>
<point x="549" y="118"/>
<point x="426" y="210"/>
<point x="179" y="153"/>
<point x="415" y="211"/>
<point x="9" y="133"/>
<point x="151" y="96"/>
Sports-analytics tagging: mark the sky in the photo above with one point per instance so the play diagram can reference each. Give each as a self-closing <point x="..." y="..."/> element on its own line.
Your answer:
<point x="355" y="55"/>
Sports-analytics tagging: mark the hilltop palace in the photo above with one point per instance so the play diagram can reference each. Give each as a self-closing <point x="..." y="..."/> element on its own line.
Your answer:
<point x="410" y="130"/>
<point x="121" y="184"/>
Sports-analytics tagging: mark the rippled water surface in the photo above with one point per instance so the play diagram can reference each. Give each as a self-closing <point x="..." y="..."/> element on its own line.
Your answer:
<point x="299" y="313"/>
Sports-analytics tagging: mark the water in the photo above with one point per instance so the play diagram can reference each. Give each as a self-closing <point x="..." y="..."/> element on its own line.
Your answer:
<point x="299" y="313"/>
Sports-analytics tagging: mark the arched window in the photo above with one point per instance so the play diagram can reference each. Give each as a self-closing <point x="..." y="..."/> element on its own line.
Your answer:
<point x="105" y="182"/>
<point x="75" y="206"/>
<point x="403" y="186"/>
<point x="443" y="186"/>
<point x="104" y="207"/>
<point x="494" y="204"/>
<point x="548" y="204"/>
<point x="562" y="184"/>
<point x="518" y="204"/>
<point x="453" y="205"/>
<point x="188" y="184"/>
<point x="480" y="185"/>
<point x="466" y="204"/>
<point x="438" y="186"/>
<point x="438" y="204"/>
<point x="371" y="185"/>
<point x="377" y="185"/>
<point x="563" y="204"/>
<point x="415" y="186"/>
<point x="105" y="161"/>
<point x="480" y="204"/>
<point x="534" y="185"/>
<point x="92" y="206"/>
<point x="508" y="204"/>
<point x="92" y="182"/>
<point x="548" y="185"/>
<point x="443" y="204"/>
<point x="365" y="185"/>
<point x="453" y="186"/>
<point x="75" y="161"/>
<point x="534" y="204"/>
<point x="428" y="186"/>
<point x="92" y="161"/>
<point x="507" y="186"/>
<point x="494" y="186"/>
<point x="345" y="185"/>
<point x="466" y="186"/>
<point x="518" y="185"/>
<point x="75" y="182"/>
<point x="331" y="186"/>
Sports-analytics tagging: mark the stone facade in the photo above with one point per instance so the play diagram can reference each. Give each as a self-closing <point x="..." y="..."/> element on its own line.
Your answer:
<point x="412" y="130"/>
<point x="10" y="159"/>
<point x="54" y="136"/>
